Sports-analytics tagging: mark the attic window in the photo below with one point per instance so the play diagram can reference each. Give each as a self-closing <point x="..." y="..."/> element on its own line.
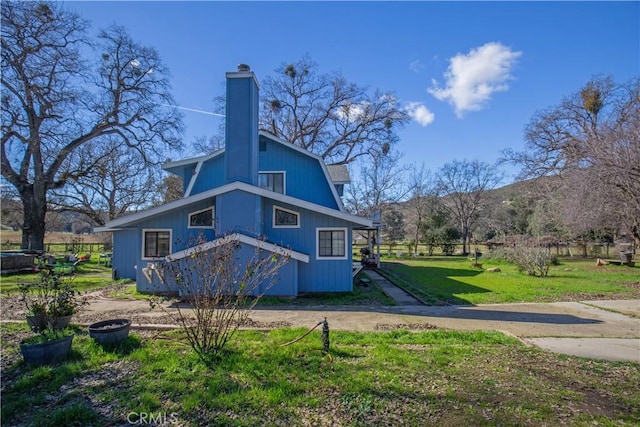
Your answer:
<point x="285" y="218"/>
<point x="273" y="181"/>
<point x="201" y="219"/>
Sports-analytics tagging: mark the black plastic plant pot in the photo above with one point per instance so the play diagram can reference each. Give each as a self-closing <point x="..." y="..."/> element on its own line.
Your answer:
<point x="40" y="322"/>
<point x="110" y="331"/>
<point x="48" y="352"/>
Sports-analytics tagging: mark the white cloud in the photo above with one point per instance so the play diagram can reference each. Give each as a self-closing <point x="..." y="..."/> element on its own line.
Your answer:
<point x="420" y="113"/>
<point x="472" y="79"/>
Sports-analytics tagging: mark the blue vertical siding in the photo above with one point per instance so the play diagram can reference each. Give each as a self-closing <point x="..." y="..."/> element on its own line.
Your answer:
<point x="305" y="178"/>
<point x="126" y="252"/>
<point x="210" y="175"/>
<point x="238" y="211"/>
<point x="324" y="275"/>
<point x="187" y="173"/>
<point x="241" y="126"/>
<point x="285" y="284"/>
<point x="128" y="243"/>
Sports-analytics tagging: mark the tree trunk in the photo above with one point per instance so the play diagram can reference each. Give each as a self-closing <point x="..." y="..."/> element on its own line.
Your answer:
<point x="465" y="233"/>
<point x="35" y="210"/>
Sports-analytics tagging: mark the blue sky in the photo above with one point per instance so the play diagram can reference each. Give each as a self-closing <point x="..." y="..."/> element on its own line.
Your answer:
<point x="471" y="73"/>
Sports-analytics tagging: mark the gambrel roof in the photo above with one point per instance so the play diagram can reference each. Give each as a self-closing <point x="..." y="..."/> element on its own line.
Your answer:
<point x="336" y="174"/>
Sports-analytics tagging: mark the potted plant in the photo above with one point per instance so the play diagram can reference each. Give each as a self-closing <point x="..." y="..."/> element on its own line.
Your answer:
<point x="49" y="346"/>
<point x="37" y="316"/>
<point x="50" y="302"/>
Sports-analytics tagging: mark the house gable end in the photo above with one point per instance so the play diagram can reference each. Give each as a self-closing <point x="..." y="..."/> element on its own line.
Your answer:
<point x="307" y="175"/>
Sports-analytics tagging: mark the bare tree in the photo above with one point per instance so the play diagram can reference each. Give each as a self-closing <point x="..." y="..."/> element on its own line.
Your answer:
<point x="463" y="187"/>
<point x="56" y="99"/>
<point x="422" y="197"/>
<point x="596" y="128"/>
<point x="381" y="180"/>
<point x="577" y="209"/>
<point x="327" y="115"/>
<point x="509" y="211"/>
<point x="208" y="145"/>
<point x="118" y="182"/>
<point x="169" y="189"/>
<point x="394" y="226"/>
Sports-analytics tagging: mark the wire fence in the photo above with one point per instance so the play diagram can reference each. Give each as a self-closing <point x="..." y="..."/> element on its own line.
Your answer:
<point x="563" y="249"/>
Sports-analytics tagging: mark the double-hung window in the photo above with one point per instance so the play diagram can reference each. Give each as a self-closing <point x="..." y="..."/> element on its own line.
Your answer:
<point x="332" y="243"/>
<point x="156" y="243"/>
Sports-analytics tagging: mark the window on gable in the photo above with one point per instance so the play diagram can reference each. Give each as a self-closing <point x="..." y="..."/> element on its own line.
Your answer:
<point x="273" y="181"/>
<point x="283" y="218"/>
<point x="201" y="219"/>
<point x="332" y="243"/>
<point x="157" y="243"/>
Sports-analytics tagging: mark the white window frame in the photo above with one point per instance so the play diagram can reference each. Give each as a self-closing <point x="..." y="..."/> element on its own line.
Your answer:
<point x="346" y="243"/>
<point x="284" y="179"/>
<point x="213" y="216"/>
<point x="144" y="233"/>
<point x="297" y="214"/>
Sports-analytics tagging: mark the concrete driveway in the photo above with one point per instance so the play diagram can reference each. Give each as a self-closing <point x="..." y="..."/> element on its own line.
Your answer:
<point x="587" y="329"/>
<point x="607" y="330"/>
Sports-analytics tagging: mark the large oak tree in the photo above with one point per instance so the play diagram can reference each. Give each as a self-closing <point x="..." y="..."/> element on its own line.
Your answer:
<point x="592" y="137"/>
<point x="328" y="115"/>
<point x="62" y="91"/>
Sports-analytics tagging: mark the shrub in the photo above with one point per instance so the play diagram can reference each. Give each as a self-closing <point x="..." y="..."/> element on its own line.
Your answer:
<point x="532" y="260"/>
<point x="221" y="284"/>
<point x="448" y="248"/>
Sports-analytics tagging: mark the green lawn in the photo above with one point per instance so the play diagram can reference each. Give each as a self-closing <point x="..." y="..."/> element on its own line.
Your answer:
<point x="437" y="377"/>
<point x="88" y="276"/>
<point x="452" y="280"/>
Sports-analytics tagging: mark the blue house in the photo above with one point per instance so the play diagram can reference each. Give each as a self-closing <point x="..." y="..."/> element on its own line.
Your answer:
<point x="260" y="190"/>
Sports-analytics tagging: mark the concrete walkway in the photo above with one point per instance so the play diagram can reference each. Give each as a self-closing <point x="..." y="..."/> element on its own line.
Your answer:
<point x="400" y="296"/>
<point x="607" y="330"/>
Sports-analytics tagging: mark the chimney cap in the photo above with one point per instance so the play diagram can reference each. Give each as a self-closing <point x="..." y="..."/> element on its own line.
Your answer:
<point x="243" y="68"/>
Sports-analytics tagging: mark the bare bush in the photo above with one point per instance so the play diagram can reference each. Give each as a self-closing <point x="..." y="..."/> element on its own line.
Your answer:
<point x="535" y="261"/>
<point x="220" y="282"/>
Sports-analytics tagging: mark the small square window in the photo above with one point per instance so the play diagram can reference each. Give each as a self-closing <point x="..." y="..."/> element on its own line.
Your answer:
<point x="332" y="243"/>
<point x="157" y="243"/>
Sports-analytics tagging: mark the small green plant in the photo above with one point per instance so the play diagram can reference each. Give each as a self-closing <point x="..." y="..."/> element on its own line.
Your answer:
<point x="48" y="334"/>
<point x="49" y="298"/>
